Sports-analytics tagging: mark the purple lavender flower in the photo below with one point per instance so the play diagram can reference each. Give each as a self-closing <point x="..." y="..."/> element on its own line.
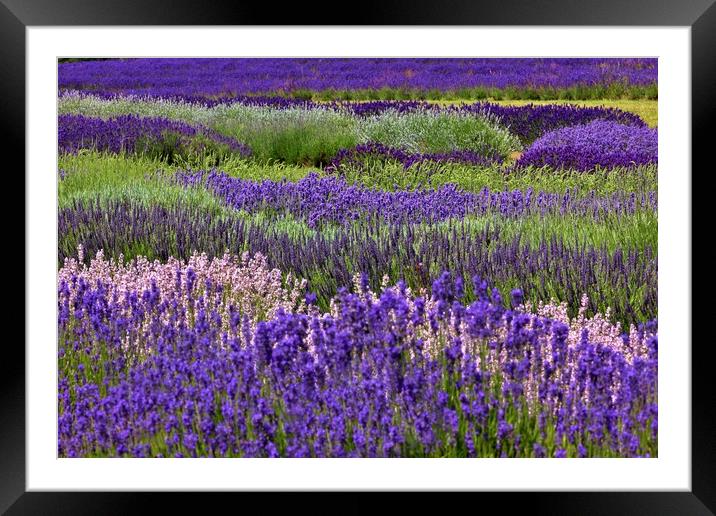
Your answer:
<point x="135" y="134"/>
<point x="215" y="79"/>
<point x="598" y="144"/>
<point x="331" y="199"/>
<point x="338" y="390"/>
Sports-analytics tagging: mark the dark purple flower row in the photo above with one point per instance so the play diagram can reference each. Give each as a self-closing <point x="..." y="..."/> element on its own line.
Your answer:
<point x="624" y="280"/>
<point x="132" y="133"/>
<point x="359" y="153"/>
<point x="531" y="121"/>
<point x="274" y="101"/>
<point x="317" y="200"/>
<point x="232" y="77"/>
<point x="599" y="143"/>
<point x="364" y="382"/>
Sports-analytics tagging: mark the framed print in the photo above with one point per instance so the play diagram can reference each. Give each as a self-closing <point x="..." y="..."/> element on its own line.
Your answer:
<point x="269" y="263"/>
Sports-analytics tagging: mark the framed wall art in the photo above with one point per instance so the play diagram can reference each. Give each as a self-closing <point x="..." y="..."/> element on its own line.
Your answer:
<point x="379" y="257"/>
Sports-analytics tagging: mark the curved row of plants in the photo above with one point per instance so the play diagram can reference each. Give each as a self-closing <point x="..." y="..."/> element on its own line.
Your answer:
<point x="478" y="134"/>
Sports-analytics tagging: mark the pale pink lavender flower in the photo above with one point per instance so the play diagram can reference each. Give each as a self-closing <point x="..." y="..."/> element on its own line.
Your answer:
<point x="245" y="285"/>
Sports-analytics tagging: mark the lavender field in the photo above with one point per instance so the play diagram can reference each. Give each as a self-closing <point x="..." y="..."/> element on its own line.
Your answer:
<point x="357" y="258"/>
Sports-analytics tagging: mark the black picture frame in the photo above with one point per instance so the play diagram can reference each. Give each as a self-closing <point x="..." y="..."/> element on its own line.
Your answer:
<point x="700" y="15"/>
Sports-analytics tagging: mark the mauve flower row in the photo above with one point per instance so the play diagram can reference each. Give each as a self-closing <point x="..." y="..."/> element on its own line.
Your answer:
<point x="136" y="134"/>
<point x="254" y="289"/>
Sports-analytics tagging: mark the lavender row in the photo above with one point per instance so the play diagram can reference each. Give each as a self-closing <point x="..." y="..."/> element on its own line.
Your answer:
<point x="392" y="374"/>
<point x="246" y="283"/>
<point x="318" y="200"/>
<point x="232" y="77"/>
<point x="598" y="144"/>
<point x="248" y="286"/>
<point x="528" y="122"/>
<point x="135" y="134"/>
<point x="625" y="280"/>
<point x="272" y="101"/>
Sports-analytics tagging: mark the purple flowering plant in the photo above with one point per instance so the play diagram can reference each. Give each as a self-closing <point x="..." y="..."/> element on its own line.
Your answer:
<point x="153" y="136"/>
<point x="598" y="144"/>
<point x="148" y="372"/>
<point x="425" y="285"/>
<point x="376" y="78"/>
